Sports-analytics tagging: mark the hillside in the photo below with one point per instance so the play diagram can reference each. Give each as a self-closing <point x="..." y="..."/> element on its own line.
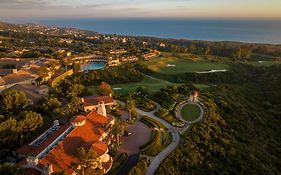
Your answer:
<point x="241" y="134"/>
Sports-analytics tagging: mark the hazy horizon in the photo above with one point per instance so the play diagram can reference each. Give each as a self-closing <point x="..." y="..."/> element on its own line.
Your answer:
<point x="13" y="10"/>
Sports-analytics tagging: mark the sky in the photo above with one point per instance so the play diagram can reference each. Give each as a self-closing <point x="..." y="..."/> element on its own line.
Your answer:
<point x="50" y="9"/>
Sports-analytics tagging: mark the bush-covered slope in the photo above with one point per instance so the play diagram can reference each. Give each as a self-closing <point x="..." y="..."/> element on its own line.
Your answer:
<point x="239" y="136"/>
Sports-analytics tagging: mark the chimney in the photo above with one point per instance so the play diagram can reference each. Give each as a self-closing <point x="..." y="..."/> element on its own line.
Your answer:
<point x="15" y="71"/>
<point x="56" y="123"/>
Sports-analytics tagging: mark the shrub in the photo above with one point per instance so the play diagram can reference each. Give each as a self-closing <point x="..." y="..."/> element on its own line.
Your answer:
<point x="162" y="112"/>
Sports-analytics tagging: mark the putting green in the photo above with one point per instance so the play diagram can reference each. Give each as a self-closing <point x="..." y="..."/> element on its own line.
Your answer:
<point x="190" y="112"/>
<point x="176" y="65"/>
<point x="153" y="85"/>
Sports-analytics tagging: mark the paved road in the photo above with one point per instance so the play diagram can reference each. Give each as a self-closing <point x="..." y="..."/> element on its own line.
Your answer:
<point x="129" y="164"/>
<point x="155" y="161"/>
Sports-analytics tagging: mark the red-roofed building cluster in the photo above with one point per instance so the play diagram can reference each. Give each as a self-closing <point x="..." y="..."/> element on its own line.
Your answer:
<point x="55" y="149"/>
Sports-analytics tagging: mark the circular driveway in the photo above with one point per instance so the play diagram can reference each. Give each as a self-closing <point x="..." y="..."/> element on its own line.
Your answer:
<point x="140" y="135"/>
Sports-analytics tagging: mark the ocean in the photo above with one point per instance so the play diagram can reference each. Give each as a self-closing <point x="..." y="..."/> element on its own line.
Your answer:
<point x="252" y="31"/>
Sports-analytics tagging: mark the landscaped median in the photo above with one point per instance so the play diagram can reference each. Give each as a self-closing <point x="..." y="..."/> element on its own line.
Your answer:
<point x="169" y="117"/>
<point x="118" y="163"/>
<point x="160" y="137"/>
<point x="140" y="167"/>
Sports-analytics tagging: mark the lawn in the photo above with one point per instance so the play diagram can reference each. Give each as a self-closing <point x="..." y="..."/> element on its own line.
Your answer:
<point x="177" y="65"/>
<point x="262" y="63"/>
<point x="161" y="138"/>
<point x="152" y="84"/>
<point x="201" y="86"/>
<point x="190" y="112"/>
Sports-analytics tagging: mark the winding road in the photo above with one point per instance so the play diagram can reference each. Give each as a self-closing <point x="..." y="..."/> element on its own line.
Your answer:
<point x="155" y="161"/>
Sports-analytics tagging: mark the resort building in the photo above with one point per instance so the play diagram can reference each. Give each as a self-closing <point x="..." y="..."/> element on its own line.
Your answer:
<point x="151" y="54"/>
<point x="129" y="58"/>
<point x="114" y="62"/>
<point x="119" y="51"/>
<point x="55" y="149"/>
<point x="16" y="77"/>
<point x="93" y="102"/>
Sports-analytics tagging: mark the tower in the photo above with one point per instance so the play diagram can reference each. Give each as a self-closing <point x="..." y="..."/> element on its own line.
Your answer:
<point x="101" y="109"/>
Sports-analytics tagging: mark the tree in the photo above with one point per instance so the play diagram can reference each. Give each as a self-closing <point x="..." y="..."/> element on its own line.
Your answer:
<point x="75" y="90"/>
<point x="76" y="67"/>
<point x="9" y="169"/>
<point x="50" y="104"/>
<point x="8" y="131"/>
<point x="104" y="89"/>
<point x="13" y="101"/>
<point x="130" y="106"/>
<point x="142" y="91"/>
<point x="90" y="163"/>
<point x="118" y="130"/>
<point x="30" y="122"/>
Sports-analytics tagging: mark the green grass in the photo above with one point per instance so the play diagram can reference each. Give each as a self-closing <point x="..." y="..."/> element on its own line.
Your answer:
<point x="182" y="65"/>
<point x="152" y="84"/>
<point x="159" y="139"/>
<point x="190" y="112"/>
<point x="263" y="63"/>
<point x="201" y="86"/>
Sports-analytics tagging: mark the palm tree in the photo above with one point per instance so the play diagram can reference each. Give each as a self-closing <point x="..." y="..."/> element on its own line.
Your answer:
<point x="90" y="162"/>
<point x="130" y="106"/>
<point x="118" y="129"/>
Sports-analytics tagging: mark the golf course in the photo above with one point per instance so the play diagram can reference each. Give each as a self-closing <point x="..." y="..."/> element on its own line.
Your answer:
<point x="153" y="85"/>
<point x="172" y="65"/>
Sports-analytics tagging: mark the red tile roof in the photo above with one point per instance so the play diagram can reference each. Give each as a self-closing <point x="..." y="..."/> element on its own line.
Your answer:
<point x="64" y="153"/>
<point x="100" y="148"/>
<point x="35" y="150"/>
<point x="79" y="118"/>
<point x="32" y="171"/>
<point x="95" y="100"/>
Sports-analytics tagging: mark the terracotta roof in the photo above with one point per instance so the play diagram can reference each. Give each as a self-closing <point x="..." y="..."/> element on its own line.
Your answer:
<point x="31" y="171"/>
<point x="64" y="153"/>
<point x="100" y="148"/>
<point x="95" y="100"/>
<point x="18" y="77"/>
<point x="35" y="150"/>
<point x="79" y="118"/>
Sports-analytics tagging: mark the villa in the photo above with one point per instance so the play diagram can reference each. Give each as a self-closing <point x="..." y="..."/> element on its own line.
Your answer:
<point x="151" y="54"/>
<point x="55" y="149"/>
<point x="16" y="77"/>
<point x="32" y="92"/>
<point x="92" y="102"/>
